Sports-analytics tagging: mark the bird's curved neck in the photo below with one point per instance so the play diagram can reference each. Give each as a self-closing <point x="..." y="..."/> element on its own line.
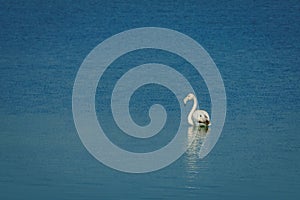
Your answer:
<point x="190" y="120"/>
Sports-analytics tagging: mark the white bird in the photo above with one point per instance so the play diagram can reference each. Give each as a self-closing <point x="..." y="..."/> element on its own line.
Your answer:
<point x="196" y="117"/>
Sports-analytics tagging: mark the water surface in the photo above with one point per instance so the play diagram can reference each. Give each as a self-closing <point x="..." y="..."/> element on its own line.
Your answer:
<point x="255" y="46"/>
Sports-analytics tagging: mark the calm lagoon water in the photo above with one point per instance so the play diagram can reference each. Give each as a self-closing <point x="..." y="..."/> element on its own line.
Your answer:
<point x="255" y="45"/>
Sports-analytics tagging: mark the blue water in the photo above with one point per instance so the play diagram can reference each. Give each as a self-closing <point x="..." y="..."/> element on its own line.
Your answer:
<point x="255" y="45"/>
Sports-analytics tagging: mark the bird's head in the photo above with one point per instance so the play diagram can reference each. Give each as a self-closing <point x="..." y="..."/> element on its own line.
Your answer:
<point x="189" y="97"/>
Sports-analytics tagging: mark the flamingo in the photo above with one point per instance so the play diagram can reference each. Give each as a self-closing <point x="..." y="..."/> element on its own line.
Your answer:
<point x="198" y="118"/>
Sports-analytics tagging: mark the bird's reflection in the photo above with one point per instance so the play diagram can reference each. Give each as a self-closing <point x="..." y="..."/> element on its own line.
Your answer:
<point x="196" y="139"/>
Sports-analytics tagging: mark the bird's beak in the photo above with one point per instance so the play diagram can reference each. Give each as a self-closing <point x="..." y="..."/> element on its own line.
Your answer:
<point x="185" y="100"/>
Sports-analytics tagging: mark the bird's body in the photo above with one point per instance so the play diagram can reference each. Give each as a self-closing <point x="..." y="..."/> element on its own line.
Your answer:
<point x="199" y="118"/>
<point x="196" y="117"/>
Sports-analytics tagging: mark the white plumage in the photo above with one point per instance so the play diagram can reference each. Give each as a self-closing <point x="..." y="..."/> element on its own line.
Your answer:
<point x="196" y="117"/>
